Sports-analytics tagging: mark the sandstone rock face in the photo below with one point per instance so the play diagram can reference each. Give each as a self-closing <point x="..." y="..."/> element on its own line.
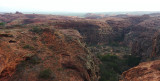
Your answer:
<point x="147" y="71"/>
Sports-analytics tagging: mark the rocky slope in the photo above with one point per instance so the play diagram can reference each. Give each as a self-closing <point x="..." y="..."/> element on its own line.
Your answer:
<point x="44" y="55"/>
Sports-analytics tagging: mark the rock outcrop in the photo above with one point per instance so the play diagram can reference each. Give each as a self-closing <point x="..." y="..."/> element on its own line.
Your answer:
<point x="147" y="71"/>
<point x="45" y="55"/>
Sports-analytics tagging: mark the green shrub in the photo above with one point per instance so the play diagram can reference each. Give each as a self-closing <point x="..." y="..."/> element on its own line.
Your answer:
<point x="107" y="74"/>
<point x="111" y="67"/>
<point x="2" y="24"/>
<point x="34" y="38"/>
<point x="34" y="60"/>
<point x="45" y="74"/>
<point x="36" y="30"/>
<point x="28" y="47"/>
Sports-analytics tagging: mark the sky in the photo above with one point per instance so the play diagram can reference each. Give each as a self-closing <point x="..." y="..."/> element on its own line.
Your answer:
<point x="78" y="5"/>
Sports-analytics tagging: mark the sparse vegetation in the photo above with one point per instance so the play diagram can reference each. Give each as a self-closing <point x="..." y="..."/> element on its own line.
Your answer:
<point x="68" y="38"/>
<point x="115" y="44"/>
<point x="51" y="47"/>
<point x="34" y="59"/>
<point x="36" y="30"/>
<point x="45" y="74"/>
<point x="60" y="69"/>
<point x="20" y="67"/>
<point x="34" y="38"/>
<point x="29" y="61"/>
<point x="28" y="47"/>
<point x="2" y="24"/>
<point x="112" y="66"/>
<point x="131" y="60"/>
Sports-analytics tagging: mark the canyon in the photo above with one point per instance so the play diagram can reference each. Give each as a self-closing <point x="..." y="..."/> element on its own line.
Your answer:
<point x="37" y="47"/>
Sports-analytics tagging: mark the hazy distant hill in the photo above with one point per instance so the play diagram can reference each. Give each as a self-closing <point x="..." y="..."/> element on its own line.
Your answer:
<point x="82" y="14"/>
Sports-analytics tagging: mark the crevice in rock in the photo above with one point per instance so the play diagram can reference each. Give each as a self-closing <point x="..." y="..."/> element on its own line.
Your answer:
<point x="12" y="41"/>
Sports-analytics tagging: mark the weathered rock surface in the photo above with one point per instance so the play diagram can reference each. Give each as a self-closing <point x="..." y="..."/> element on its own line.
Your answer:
<point x="147" y="71"/>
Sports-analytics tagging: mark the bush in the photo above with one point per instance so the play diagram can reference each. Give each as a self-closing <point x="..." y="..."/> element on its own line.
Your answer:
<point x="36" y="30"/>
<point x="107" y="74"/>
<point x="111" y="67"/>
<point x="28" y="47"/>
<point x="34" y="59"/>
<point x="34" y="38"/>
<point x="2" y="24"/>
<point x="45" y="74"/>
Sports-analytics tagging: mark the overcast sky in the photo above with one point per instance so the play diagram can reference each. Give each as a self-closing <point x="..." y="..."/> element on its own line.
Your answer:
<point x="79" y="5"/>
